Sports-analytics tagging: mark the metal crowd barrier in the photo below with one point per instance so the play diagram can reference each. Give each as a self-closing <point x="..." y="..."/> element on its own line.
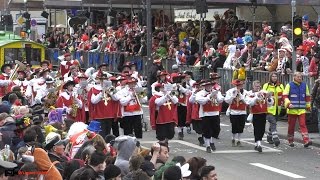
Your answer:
<point x="94" y="59"/>
<point x="262" y="76"/>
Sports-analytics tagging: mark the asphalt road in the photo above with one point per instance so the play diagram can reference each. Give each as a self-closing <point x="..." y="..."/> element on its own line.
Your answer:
<point x="237" y="163"/>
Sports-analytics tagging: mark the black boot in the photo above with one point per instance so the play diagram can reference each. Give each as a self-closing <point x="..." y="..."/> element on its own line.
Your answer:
<point x="213" y="147"/>
<point x="208" y="149"/>
<point x="276" y="141"/>
<point x="180" y="135"/>
<point x="201" y="141"/>
<point x="189" y="130"/>
<point x="269" y="139"/>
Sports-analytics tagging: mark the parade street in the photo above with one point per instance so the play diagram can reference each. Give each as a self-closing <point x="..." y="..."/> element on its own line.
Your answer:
<point x="244" y="162"/>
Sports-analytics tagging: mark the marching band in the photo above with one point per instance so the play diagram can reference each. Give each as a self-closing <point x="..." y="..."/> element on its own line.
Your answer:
<point x="177" y="100"/>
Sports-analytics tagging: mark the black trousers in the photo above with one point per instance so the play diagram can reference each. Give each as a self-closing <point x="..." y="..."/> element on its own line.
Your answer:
<point x="259" y="125"/>
<point x="132" y="123"/>
<point x="197" y="126"/>
<point x="237" y="123"/>
<point x="211" y="126"/>
<point x="182" y="115"/>
<point x="115" y="128"/>
<point x="106" y="125"/>
<point x="165" y="131"/>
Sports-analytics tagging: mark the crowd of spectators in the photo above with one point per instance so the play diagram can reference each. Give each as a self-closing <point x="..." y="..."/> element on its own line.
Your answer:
<point x="227" y="42"/>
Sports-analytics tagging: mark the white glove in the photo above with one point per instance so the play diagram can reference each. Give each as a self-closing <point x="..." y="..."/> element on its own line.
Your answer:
<point x="69" y="110"/>
<point x="6" y="82"/>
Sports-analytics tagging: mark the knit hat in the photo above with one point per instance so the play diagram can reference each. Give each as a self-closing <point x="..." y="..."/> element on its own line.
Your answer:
<point x="172" y="173"/>
<point x="4" y="108"/>
<point x="148" y="167"/>
<point x="37" y="109"/>
<point x="111" y="171"/>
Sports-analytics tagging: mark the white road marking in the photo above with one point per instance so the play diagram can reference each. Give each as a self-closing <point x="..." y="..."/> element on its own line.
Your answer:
<point x="266" y="149"/>
<point x="224" y="125"/>
<point x="286" y="173"/>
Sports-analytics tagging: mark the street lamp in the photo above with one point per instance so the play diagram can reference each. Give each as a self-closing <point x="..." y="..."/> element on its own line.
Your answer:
<point x="293" y="10"/>
<point x="249" y="74"/>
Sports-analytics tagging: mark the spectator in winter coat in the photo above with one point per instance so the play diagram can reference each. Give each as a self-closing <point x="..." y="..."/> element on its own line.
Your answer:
<point x="314" y="65"/>
<point x="7" y="128"/>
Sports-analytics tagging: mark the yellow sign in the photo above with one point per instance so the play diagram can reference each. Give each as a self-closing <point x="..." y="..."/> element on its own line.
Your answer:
<point x="20" y="21"/>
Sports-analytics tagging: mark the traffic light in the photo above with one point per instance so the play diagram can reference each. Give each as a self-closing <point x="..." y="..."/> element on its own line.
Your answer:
<point x="2" y="20"/>
<point x="28" y="26"/>
<point x="297" y="31"/>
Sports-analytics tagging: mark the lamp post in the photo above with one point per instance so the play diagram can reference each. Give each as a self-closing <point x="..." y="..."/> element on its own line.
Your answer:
<point x="249" y="74"/>
<point x="293" y="11"/>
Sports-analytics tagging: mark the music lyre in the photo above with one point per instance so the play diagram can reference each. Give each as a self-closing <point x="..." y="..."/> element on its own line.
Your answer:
<point x="168" y="104"/>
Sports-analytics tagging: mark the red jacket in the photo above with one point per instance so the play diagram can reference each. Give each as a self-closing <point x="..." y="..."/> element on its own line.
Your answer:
<point x="100" y="110"/>
<point x="192" y="112"/>
<point x="313" y="68"/>
<point x="165" y="114"/>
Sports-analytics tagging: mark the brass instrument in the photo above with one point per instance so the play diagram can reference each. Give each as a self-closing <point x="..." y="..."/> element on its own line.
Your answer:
<point x="261" y="98"/>
<point x="106" y="96"/>
<point x="74" y="107"/>
<point x="143" y="93"/>
<point x="18" y="67"/>
<point x="52" y="96"/>
<point x="237" y="97"/>
<point x="213" y="99"/>
<point x="174" y="93"/>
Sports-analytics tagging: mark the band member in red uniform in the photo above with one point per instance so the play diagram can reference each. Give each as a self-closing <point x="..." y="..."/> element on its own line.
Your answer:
<point x="103" y="68"/>
<point x="209" y="111"/>
<point x="117" y="106"/>
<point x="72" y="75"/>
<point x="163" y="113"/>
<point x="183" y="93"/>
<point x="238" y="109"/>
<point x="5" y="86"/>
<point x="82" y="89"/>
<point x="162" y="79"/>
<point x="131" y="109"/>
<point x="68" y="100"/>
<point x="193" y="112"/>
<point x="21" y="81"/>
<point x="101" y="104"/>
<point x="258" y="101"/>
<point x="65" y="65"/>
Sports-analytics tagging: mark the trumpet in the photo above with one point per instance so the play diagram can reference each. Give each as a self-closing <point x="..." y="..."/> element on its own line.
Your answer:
<point x="142" y="94"/>
<point x="261" y="98"/>
<point x="106" y="96"/>
<point x="213" y="98"/>
<point x="174" y="93"/>
<point x="237" y="93"/>
<point x="111" y="90"/>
